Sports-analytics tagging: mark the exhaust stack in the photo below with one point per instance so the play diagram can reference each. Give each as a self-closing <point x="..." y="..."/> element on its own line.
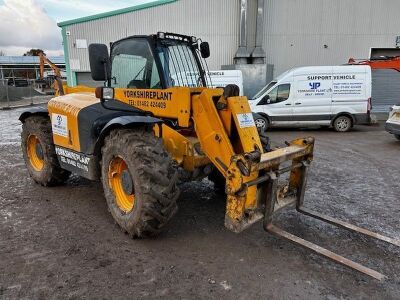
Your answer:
<point x="258" y="54"/>
<point x="242" y="54"/>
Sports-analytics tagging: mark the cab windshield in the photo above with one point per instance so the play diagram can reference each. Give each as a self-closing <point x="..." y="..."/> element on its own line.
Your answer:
<point x="182" y="64"/>
<point x="170" y="63"/>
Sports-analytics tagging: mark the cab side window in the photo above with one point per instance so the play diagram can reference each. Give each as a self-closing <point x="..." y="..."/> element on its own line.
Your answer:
<point x="133" y="65"/>
<point x="276" y="95"/>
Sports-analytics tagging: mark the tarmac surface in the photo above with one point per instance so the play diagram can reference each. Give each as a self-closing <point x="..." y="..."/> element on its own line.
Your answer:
<point x="61" y="242"/>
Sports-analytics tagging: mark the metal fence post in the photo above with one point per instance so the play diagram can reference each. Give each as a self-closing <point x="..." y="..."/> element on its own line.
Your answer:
<point x="8" y="98"/>
<point x="30" y="90"/>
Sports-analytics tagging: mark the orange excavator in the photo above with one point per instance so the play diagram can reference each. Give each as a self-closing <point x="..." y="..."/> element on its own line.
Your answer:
<point x="57" y="85"/>
<point x="384" y="63"/>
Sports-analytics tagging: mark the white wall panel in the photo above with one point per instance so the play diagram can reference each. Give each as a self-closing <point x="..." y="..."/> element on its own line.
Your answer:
<point x="295" y="31"/>
<point x="215" y="21"/>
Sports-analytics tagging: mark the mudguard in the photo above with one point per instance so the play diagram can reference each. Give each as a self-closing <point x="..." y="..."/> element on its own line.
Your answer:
<point x="42" y="111"/>
<point x="125" y="121"/>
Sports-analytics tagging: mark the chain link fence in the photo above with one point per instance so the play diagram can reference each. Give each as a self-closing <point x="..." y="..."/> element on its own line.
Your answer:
<point x="22" y="87"/>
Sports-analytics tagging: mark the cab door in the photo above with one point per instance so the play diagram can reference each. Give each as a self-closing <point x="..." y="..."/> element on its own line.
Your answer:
<point x="277" y="104"/>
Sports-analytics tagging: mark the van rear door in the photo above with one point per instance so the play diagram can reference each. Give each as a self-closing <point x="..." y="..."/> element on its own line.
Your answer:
<point x="351" y="90"/>
<point x="313" y="97"/>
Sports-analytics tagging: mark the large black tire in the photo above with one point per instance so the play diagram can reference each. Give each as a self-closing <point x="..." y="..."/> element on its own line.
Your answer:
<point x="218" y="180"/>
<point x="265" y="141"/>
<point x="51" y="173"/>
<point x="342" y="123"/>
<point x="153" y="178"/>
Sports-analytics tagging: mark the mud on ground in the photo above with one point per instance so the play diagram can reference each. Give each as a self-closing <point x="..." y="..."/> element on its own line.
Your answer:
<point x="62" y="243"/>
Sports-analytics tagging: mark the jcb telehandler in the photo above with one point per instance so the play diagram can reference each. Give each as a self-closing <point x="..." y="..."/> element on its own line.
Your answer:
<point x="157" y="121"/>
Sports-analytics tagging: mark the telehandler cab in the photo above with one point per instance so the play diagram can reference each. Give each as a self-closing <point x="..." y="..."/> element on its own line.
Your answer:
<point x="156" y="122"/>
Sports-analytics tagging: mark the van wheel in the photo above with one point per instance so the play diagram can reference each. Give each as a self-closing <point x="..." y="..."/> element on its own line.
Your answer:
<point x="262" y="123"/>
<point x="342" y="124"/>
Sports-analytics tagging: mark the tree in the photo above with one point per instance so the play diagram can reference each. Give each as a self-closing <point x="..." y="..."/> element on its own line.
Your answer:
<point x="2" y="53"/>
<point x="33" y="52"/>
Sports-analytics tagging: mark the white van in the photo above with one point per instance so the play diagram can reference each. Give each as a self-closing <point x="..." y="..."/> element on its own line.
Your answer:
<point x="338" y="96"/>
<point x="219" y="79"/>
<point x="224" y="77"/>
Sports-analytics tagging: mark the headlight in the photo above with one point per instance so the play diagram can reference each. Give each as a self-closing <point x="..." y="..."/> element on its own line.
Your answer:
<point x="108" y="93"/>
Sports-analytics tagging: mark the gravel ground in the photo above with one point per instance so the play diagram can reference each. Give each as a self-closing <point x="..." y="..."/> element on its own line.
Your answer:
<point x="62" y="243"/>
<point x="24" y="102"/>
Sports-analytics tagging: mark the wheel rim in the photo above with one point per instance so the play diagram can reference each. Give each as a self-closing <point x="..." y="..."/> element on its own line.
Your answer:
<point x="35" y="153"/>
<point x="121" y="183"/>
<point x="343" y="123"/>
<point x="260" y="123"/>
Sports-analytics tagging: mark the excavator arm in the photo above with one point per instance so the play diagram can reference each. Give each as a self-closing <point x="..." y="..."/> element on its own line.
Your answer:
<point x="57" y="85"/>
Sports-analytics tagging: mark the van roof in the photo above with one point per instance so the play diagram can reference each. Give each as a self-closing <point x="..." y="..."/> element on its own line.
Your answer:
<point x="319" y="69"/>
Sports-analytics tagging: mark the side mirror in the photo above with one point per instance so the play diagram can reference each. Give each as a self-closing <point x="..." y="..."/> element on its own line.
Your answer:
<point x="99" y="62"/>
<point x="205" y="50"/>
<point x="265" y="100"/>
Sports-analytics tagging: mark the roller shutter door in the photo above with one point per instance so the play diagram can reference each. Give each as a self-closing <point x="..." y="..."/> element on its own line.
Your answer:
<point x="385" y="89"/>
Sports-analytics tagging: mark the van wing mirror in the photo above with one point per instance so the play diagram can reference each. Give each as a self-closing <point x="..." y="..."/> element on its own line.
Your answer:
<point x="205" y="49"/>
<point x="99" y="62"/>
<point x="265" y="100"/>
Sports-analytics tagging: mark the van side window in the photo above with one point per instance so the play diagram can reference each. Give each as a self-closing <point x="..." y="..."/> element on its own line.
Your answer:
<point x="273" y="95"/>
<point x="278" y="94"/>
<point x="283" y="92"/>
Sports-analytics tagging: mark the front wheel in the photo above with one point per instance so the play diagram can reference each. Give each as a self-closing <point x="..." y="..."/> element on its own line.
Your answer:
<point x="342" y="124"/>
<point x="262" y="123"/>
<point x="139" y="181"/>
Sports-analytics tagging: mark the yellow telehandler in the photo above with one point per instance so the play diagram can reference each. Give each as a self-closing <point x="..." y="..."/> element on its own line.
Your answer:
<point x="157" y="121"/>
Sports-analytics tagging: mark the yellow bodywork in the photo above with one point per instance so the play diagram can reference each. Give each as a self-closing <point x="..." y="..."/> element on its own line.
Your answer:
<point x="201" y="128"/>
<point x="70" y="105"/>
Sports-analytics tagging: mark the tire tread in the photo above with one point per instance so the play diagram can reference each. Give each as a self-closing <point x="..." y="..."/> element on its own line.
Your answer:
<point x="157" y="177"/>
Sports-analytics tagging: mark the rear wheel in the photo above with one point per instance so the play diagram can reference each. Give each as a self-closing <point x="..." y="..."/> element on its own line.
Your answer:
<point x="39" y="152"/>
<point x="342" y="124"/>
<point x="139" y="181"/>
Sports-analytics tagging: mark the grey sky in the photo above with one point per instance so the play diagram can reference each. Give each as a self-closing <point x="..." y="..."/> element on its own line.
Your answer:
<point x="26" y="24"/>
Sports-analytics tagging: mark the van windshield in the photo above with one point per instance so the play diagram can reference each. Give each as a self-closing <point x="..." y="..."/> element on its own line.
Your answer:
<point x="263" y="90"/>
